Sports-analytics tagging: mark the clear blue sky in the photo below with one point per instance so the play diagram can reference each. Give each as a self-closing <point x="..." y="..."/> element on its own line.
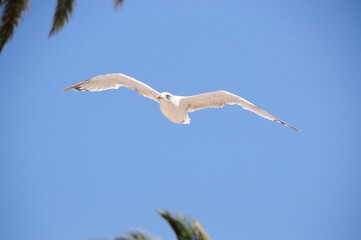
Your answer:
<point x="78" y="165"/>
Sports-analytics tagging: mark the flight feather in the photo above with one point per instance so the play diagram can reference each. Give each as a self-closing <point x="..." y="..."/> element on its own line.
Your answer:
<point x="219" y="99"/>
<point x="115" y="81"/>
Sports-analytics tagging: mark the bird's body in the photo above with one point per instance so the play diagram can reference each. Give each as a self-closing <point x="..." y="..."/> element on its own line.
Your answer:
<point x="175" y="108"/>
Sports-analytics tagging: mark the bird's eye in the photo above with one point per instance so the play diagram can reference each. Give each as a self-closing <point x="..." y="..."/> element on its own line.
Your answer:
<point x="167" y="96"/>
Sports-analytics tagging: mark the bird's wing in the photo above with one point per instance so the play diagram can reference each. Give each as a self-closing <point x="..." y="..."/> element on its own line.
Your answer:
<point x="115" y="81"/>
<point x="220" y="98"/>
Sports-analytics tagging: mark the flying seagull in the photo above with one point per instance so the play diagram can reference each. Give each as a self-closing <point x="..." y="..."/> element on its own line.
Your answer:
<point x="175" y="108"/>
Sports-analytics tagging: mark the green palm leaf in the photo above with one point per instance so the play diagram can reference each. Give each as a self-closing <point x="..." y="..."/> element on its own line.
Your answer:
<point x="185" y="228"/>
<point x="136" y="235"/>
<point x="10" y="18"/>
<point x="63" y="11"/>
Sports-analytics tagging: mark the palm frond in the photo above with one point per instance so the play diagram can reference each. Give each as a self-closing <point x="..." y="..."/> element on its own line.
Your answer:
<point x="117" y="3"/>
<point x="185" y="228"/>
<point x="200" y="231"/>
<point x="63" y="11"/>
<point x="136" y="235"/>
<point x="10" y="18"/>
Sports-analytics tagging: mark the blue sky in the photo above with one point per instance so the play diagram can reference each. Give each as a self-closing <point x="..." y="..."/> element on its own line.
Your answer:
<point x="80" y="165"/>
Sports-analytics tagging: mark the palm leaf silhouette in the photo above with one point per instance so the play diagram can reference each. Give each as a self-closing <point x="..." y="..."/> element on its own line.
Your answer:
<point x="11" y="16"/>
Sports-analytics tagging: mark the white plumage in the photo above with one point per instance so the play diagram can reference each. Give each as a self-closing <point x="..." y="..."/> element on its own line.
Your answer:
<point x="175" y="108"/>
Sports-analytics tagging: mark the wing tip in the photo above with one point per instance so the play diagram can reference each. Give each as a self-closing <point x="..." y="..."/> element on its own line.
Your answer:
<point x="71" y="87"/>
<point x="294" y="128"/>
<point x="287" y="125"/>
<point x="76" y="87"/>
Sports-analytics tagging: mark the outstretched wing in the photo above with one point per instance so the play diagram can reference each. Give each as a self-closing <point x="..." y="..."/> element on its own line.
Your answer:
<point x="220" y="98"/>
<point x="115" y="81"/>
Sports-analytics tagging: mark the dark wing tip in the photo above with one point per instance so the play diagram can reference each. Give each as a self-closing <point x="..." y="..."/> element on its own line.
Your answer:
<point x="287" y="125"/>
<point x="76" y="87"/>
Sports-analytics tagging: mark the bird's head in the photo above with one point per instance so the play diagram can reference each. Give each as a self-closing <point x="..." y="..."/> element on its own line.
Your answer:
<point x="165" y="96"/>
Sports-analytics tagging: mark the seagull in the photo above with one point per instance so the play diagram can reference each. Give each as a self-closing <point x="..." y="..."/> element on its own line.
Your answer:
<point x="175" y="108"/>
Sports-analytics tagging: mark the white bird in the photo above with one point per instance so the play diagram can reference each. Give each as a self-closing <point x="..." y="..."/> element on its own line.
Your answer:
<point x="175" y="108"/>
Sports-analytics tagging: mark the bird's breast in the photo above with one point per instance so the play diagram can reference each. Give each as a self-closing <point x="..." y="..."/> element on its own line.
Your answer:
<point x="173" y="112"/>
